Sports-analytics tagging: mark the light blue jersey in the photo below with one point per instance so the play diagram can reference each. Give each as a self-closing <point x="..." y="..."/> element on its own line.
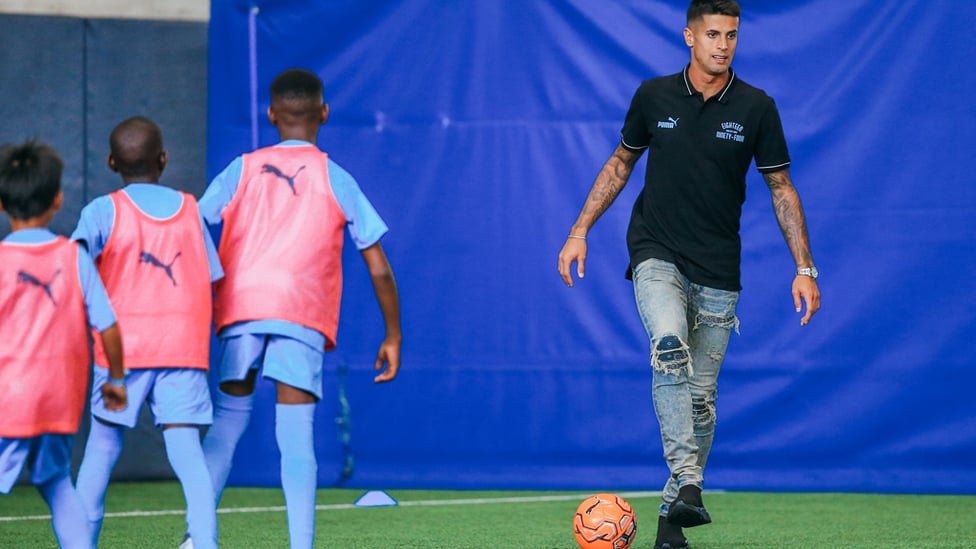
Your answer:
<point x="365" y="226"/>
<point x="97" y="218"/>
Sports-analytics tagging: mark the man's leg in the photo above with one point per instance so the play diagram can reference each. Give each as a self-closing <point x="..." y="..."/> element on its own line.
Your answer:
<point x="294" y="419"/>
<point x="711" y="326"/>
<point x="711" y="316"/>
<point x="104" y="444"/>
<point x="232" y="414"/>
<point x="186" y="457"/>
<point x="238" y="360"/>
<point x="50" y="474"/>
<point x="181" y="404"/>
<point x="662" y="300"/>
<point x="296" y="368"/>
<point x="102" y="451"/>
<point x="67" y="512"/>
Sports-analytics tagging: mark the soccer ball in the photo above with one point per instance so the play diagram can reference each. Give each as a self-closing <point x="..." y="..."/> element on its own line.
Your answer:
<point x="605" y="521"/>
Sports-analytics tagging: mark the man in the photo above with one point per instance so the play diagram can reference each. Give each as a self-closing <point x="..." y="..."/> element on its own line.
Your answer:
<point x="702" y="128"/>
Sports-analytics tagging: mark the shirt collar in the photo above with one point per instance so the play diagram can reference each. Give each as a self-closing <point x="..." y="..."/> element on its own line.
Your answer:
<point x="293" y="143"/>
<point x="722" y="96"/>
<point x="30" y="236"/>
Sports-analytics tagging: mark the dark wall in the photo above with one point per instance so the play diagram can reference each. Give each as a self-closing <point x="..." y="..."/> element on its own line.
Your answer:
<point x="68" y="82"/>
<point x="42" y="63"/>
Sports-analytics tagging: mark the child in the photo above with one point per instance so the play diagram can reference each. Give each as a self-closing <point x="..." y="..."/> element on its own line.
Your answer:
<point x="283" y="209"/>
<point x="49" y="294"/>
<point x="157" y="262"/>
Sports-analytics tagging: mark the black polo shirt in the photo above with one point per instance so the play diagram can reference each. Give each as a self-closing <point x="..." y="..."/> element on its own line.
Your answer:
<point x="698" y="155"/>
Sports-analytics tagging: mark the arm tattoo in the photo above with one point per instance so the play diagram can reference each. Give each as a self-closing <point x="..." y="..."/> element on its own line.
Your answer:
<point x="789" y="214"/>
<point x="609" y="182"/>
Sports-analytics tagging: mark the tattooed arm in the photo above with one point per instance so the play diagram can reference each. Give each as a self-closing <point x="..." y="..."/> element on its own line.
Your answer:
<point x="789" y="214"/>
<point x="609" y="182"/>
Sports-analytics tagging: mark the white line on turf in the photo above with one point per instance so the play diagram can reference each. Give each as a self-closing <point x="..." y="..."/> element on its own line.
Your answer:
<point x="336" y="506"/>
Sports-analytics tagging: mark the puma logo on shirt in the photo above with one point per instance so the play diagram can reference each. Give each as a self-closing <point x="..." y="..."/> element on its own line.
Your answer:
<point x="268" y="168"/>
<point x="146" y="257"/>
<point x="27" y="278"/>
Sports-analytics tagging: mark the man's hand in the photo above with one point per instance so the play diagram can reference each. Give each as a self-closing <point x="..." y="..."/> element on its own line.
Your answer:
<point x="805" y="290"/>
<point x="388" y="354"/>
<point x="115" y="396"/>
<point x="573" y="250"/>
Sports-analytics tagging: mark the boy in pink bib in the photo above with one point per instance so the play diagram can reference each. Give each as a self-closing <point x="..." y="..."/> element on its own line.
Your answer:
<point x="49" y="295"/>
<point x="157" y="262"/>
<point x="283" y="210"/>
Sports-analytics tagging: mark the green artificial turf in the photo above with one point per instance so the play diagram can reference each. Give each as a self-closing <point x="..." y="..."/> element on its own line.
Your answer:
<point x="253" y="518"/>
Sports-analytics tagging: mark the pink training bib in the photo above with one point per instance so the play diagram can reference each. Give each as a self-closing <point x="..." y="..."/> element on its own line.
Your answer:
<point x="158" y="280"/>
<point x="44" y="363"/>
<point x="281" y="246"/>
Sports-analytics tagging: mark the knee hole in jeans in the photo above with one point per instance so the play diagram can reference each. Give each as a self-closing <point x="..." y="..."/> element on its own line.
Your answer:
<point x="727" y="321"/>
<point x="669" y="355"/>
<point x="702" y="410"/>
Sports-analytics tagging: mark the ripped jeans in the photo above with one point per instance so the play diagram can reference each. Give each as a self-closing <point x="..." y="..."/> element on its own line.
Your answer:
<point x="689" y="327"/>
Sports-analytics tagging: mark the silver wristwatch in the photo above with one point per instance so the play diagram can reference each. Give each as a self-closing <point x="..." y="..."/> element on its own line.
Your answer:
<point x="812" y="272"/>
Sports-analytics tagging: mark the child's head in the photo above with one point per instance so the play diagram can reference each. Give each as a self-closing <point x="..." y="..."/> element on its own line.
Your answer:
<point x="297" y="107"/>
<point x="137" y="152"/>
<point x="30" y="180"/>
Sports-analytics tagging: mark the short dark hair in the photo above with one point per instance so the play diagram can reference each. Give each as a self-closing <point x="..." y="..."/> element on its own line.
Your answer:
<point x="296" y="84"/>
<point x="299" y="92"/>
<point x="136" y="144"/>
<point x="699" y="8"/>
<point x="30" y="178"/>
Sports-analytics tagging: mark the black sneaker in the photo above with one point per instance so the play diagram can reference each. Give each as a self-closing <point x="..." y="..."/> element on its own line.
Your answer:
<point x="688" y="511"/>
<point x="669" y="536"/>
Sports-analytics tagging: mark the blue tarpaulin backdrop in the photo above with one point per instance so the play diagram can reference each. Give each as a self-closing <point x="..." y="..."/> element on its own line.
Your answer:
<point x="477" y="129"/>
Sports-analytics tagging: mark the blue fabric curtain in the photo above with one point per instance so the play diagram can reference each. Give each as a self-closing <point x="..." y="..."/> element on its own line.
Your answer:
<point x="477" y="128"/>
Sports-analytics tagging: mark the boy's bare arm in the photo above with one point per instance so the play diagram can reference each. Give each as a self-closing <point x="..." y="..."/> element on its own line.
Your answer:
<point x="115" y="396"/>
<point x="386" y="293"/>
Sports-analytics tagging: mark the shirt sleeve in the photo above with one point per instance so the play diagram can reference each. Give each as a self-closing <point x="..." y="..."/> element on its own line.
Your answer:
<point x="213" y="259"/>
<point x="771" y="151"/>
<point x="101" y="316"/>
<point x="366" y="226"/>
<point x="95" y="225"/>
<point x="634" y="134"/>
<point x="220" y="192"/>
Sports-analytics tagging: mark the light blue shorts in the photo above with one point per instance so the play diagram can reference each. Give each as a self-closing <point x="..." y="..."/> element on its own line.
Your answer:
<point x="51" y="455"/>
<point x="281" y="358"/>
<point x="175" y="396"/>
